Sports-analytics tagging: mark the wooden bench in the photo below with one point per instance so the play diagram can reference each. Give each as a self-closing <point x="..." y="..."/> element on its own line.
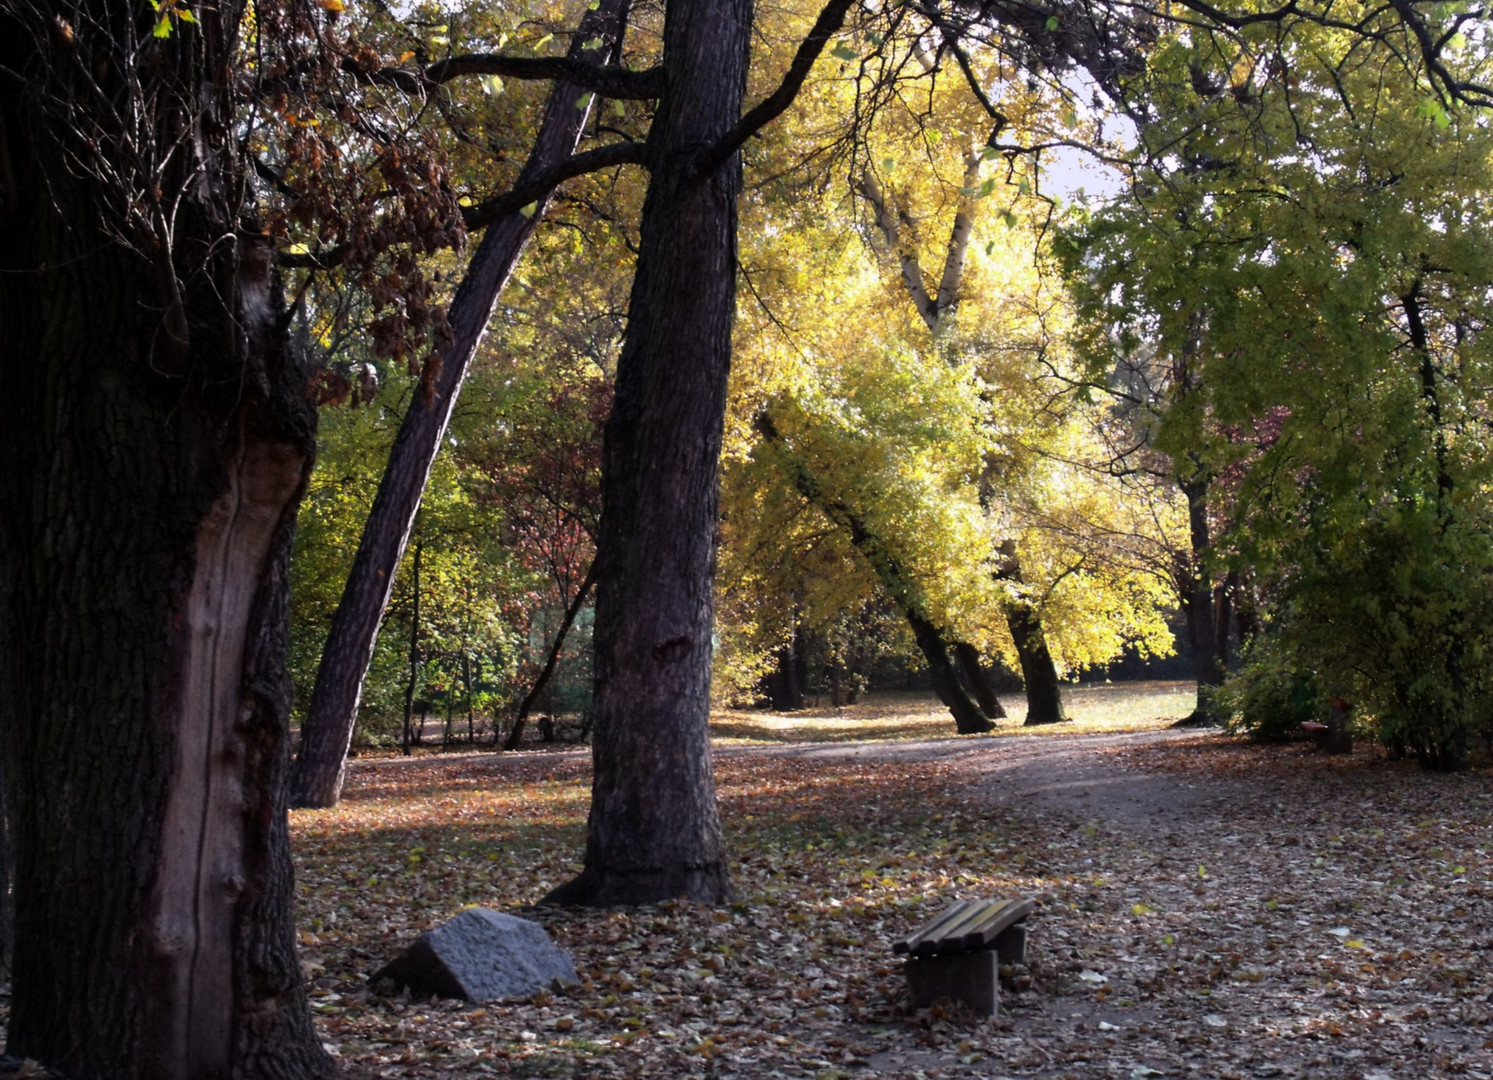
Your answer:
<point x="958" y="954"/>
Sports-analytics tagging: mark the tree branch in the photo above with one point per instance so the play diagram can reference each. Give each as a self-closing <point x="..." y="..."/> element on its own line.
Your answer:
<point x="608" y="80"/>
<point x="906" y="252"/>
<point x="494" y="207"/>
<point x="603" y="157"/>
<point x="831" y="18"/>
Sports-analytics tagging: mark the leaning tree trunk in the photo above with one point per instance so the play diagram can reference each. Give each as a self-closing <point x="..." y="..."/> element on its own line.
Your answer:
<point x="968" y="719"/>
<point x="156" y="439"/>
<point x="332" y="714"/>
<point x="654" y="607"/>
<point x="974" y="673"/>
<point x="894" y="578"/>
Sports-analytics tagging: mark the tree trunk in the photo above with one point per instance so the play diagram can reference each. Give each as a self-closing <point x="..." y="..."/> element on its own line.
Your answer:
<point x="974" y="674"/>
<point x="1044" y="694"/>
<point x="412" y="683"/>
<point x="466" y="682"/>
<point x="968" y="719"/>
<point x="551" y="662"/>
<point x="7" y="875"/>
<point x="1223" y="620"/>
<point x="660" y="838"/>
<point x="333" y="710"/>
<point x="785" y="686"/>
<point x="156" y="438"/>
<point x="1197" y="605"/>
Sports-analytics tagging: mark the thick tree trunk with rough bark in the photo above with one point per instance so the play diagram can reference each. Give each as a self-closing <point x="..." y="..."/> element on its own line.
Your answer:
<point x="332" y="714"/>
<point x="654" y="606"/>
<point x="979" y="683"/>
<point x="1044" y="694"/>
<point x="156" y="438"/>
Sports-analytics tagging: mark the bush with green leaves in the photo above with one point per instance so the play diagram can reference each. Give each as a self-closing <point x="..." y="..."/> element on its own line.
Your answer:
<point x="1270" y="696"/>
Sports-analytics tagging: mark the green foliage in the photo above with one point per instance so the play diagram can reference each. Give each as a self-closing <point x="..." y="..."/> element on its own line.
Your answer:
<point x="1311" y="278"/>
<point x="465" y="575"/>
<point x="1269" y="697"/>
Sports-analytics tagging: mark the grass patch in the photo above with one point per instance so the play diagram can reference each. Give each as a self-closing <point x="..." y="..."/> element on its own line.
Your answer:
<point x="1093" y="708"/>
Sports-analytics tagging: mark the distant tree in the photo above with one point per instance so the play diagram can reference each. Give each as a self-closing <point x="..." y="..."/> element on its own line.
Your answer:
<point x="541" y="469"/>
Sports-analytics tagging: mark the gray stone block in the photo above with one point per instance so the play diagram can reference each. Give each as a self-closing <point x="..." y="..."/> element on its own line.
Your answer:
<point x="972" y="978"/>
<point x="480" y="955"/>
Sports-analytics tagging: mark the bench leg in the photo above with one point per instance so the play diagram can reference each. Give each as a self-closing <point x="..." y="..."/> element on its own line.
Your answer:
<point x="1010" y="944"/>
<point x="971" y="978"/>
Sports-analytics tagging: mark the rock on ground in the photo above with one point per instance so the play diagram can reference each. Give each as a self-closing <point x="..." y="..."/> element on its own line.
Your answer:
<point x="480" y="955"/>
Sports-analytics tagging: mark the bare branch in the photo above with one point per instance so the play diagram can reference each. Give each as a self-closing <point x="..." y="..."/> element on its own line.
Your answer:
<point x="608" y="80"/>
<point x="490" y="209"/>
<point x="831" y="18"/>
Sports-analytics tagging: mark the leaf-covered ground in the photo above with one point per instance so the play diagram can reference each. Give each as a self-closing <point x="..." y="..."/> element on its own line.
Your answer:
<point x="1206" y="909"/>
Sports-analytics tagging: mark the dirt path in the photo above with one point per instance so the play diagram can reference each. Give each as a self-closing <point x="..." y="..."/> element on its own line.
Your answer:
<point x="1209" y="908"/>
<point x="1206" y="909"/>
<point x="1083" y="777"/>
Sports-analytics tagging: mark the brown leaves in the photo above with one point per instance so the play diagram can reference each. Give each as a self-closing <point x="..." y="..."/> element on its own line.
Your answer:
<point x="1140" y="964"/>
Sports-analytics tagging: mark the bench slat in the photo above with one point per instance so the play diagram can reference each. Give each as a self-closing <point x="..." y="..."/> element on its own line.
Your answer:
<point x="942" y="920"/>
<point x="951" y="931"/>
<point x="998" y="918"/>
<point x="965" y="925"/>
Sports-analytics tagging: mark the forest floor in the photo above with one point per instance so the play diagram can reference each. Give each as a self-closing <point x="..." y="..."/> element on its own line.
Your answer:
<point x="1206" y="907"/>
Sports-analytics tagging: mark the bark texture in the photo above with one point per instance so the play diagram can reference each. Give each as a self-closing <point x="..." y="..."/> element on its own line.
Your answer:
<point x="974" y="674"/>
<point x="7" y="874"/>
<point x="332" y="713"/>
<point x="1044" y="694"/>
<point x="656" y="552"/>
<point x="157" y="439"/>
